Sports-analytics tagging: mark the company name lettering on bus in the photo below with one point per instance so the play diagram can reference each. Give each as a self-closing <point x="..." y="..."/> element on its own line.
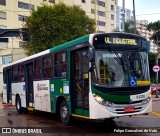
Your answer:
<point x="41" y="87"/>
<point x="120" y="41"/>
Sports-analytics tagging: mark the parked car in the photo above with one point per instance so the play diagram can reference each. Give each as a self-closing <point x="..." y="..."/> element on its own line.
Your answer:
<point x="153" y="88"/>
<point x="158" y="87"/>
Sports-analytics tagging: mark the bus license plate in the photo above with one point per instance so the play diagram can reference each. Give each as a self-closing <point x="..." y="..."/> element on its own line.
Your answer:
<point x="129" y="109"/>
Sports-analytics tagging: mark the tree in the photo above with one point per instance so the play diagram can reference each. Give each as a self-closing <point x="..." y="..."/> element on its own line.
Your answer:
<point x="50" y="26"/>
<point x="129" y="27"/>
<point x="156" y="28"/>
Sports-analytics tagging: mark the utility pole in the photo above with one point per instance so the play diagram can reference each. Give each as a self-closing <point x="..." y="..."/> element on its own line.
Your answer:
<point x="134" y="16"/>
<point x="123" y="15"/>
<point x="157" y="64"/>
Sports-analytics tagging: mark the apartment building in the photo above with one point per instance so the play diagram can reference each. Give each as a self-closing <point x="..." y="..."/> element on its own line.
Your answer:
<point x="14" y="13"/>
<point x="118" y="17"/>
<point x="142" y="28"/>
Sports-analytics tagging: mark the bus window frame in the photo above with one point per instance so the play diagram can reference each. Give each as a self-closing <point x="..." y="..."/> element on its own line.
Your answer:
<point x="12" y="69"/>
<point x="34" y="69"/>
<point x="66" y="63"/>
<point x="23" y="72"/>
<point x="4" y="75"/>
<point x="51" y="66"/>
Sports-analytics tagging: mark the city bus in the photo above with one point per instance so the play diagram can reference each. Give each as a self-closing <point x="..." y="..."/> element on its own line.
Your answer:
<point x="97" y="76"/>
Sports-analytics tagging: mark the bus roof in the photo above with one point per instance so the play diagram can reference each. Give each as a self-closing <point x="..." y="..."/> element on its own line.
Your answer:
<point x="71" y="43"/>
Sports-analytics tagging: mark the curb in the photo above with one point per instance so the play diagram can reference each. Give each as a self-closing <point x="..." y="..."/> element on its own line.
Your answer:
<point x="4" y="106"/>
<point x="155" y="99"/>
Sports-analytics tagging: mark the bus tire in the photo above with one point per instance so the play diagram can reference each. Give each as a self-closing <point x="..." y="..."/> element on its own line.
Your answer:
<point x="18" y="105"/>
<point x="64" y="113"/>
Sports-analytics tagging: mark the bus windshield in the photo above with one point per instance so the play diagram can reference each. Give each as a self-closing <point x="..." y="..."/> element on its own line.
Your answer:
<point x="120" y="68"/>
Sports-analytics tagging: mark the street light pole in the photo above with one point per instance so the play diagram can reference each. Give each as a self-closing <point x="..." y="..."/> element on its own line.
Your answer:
<point x="123" y="15"/>
<point x="134" y="17"/>
<point x="157" y="64"/>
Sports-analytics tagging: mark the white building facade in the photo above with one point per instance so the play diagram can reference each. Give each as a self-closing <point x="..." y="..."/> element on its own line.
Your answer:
<point x="118" y="17"/>
<point x="142" y="28"/>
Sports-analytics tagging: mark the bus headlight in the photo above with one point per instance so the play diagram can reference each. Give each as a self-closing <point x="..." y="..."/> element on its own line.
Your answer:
<point x="145" y="101"/>
<point x="102" y="101"/>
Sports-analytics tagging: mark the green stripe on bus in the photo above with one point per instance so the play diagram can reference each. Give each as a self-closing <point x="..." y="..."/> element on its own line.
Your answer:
<point x="82" y="112"/>
<point x="112" y="98"/>
<point x="71" y="43"/>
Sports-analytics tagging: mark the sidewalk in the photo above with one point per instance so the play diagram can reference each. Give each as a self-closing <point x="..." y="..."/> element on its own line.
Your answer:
<point x="155" y="99"/>
<point x="3" y="106"/>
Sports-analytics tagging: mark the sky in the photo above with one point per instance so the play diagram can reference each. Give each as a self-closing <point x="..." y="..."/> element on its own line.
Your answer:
<point x="144" y="9"/>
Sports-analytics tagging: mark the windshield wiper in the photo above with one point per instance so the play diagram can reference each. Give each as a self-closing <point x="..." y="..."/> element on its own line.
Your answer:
<point x="118" y="58"/>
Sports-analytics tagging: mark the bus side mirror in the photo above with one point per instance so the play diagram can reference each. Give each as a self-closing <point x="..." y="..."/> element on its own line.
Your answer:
<point x="91" y="54"/>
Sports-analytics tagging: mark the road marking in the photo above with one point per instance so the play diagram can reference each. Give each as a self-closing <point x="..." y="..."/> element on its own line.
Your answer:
<point x="155" y="113"/>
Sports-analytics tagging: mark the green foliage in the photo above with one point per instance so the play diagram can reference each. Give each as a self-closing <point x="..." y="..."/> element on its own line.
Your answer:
<point x="129" y="27"/>
<point x="50" y="26"/>
<point x="155" y="27"/>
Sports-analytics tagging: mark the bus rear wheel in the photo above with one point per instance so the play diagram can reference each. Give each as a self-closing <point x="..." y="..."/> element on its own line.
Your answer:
<point x="64" y="113"/>
<point x="18" y="105"/>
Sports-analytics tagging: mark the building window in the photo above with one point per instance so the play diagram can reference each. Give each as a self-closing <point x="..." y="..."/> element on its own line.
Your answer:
<point x="47" y="70"/>
<point x="22" y="44"/>
<point x="112" y="7"/>
<point x="6" y="59"/>
<point x="25" y="5"/>
<point x="3" y="27"/>
<point x="101" y="3"/>
<point x="101" y="13"/>
<point x="101" y="23"/>
<point x="92" y="1"/>
<point x="52" y="1"/>
<point x="3" y="2"/>
<point x="2" y="15"/>
<point x="92" y="11"/>
<point x="60" y="69"/>
<point x="22" y="18"/>
<point x="112" y="17"/>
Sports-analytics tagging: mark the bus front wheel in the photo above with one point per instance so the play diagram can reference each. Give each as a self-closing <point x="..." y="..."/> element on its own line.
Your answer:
<point x="64" y="113"/>
<point x="18" y="104"/>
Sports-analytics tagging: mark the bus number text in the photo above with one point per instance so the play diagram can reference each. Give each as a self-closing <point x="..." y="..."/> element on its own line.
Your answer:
<point x="140" y="96"/>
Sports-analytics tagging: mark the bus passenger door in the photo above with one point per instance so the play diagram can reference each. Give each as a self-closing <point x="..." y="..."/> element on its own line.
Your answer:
<point x="80" y="82"/>
<point x="8" y="86"/>
<point x="29" y="85"/>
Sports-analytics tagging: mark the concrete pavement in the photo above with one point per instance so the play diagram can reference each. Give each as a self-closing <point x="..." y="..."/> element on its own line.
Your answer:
<point x="155" y="99"/>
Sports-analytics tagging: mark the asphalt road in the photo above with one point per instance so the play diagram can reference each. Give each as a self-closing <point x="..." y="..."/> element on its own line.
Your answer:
<point x="48" y="124"/>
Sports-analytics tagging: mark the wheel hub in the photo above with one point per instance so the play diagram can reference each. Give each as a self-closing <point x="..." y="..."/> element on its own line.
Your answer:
<point x="64" y="112"/>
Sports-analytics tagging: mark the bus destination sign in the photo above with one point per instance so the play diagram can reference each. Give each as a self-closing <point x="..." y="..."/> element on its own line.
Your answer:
<point x="117" y="40"/>
<point x="112" y="40"/>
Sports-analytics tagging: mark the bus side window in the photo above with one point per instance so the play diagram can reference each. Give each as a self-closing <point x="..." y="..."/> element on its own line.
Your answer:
<point x="37" y="69"/>
<point x="15" y="73"/>
<point x="47" y="67"/>
<point x="60" y="64"/>
<point x="21" y="72"/>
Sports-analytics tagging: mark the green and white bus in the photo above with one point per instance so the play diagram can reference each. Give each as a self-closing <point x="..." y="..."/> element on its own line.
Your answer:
<point x="97" y="76"/>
